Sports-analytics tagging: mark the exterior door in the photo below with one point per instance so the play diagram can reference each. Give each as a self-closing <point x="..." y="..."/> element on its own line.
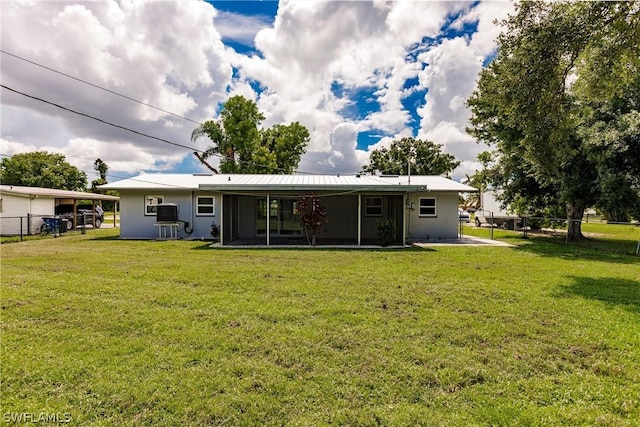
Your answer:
<point x="284" y="219"/>
<point x="289" y="219"/>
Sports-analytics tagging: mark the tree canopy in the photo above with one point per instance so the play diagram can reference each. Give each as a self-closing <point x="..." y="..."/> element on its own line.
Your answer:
<point x="42" y="169"/>
<point x="102" y="169"/>
<point x="560" y="105"/>
<point x="245" y="148"/>
<point x="425" y="157"/>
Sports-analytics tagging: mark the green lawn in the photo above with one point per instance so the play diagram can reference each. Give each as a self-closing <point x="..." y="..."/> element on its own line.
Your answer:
<point x="619" y="238"/>
<point x="172" y="333"/>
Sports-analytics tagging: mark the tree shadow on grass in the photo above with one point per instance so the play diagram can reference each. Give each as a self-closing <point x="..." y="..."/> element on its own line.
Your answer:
<point x="610" y="290"/>
<point x="554" y="247"/>
<point x="106" y="238"/>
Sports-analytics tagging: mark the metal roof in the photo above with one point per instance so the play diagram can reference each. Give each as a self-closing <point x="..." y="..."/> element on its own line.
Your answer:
<point x="240" y="182"/>
<point x="53" y="193"/>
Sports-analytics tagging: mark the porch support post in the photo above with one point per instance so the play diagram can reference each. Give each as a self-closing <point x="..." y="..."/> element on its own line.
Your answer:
<point x="221" y="219"/>
<point x="404" y="219"/>
<point x="268" y="219"/>
<point x="359" y="218"/>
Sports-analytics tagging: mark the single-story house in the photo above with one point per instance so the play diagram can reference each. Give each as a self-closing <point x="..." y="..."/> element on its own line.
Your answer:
<point x="22" y="209"/>
<point x="262" y="209"/>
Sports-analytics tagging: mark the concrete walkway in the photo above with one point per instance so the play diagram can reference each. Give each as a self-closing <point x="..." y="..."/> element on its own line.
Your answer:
<point x="464" y="241"/>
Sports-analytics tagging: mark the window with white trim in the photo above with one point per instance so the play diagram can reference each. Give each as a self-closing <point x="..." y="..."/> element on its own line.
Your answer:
<point x="205" y="206"/>
<point x="373" y="206"/>
<point x="151" y="204"/>
<point x="427" y="207"/>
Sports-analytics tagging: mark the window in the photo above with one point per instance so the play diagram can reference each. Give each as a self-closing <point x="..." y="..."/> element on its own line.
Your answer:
<point x="205" y="206"/>
<point x="427" y="207"/>
<point x="151" y="204"/>
<point x="373" y="206"/>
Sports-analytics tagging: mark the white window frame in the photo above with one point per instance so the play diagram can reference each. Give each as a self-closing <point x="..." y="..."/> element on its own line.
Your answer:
<point x="375" y="208"/>
<point x="212" y="205"/>
<point x="422" y="213"/>
<point x="150" y="203"/>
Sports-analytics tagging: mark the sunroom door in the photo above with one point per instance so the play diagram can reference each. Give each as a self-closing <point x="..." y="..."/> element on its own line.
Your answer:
<point x="284" y="219"/>
<point x="289" y="219"/>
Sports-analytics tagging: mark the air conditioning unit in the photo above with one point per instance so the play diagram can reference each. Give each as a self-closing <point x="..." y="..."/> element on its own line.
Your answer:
<point x="167" y="212"/>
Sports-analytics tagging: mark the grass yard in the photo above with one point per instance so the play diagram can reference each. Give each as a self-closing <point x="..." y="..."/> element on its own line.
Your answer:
<point x="172" y="333"/>
<point x="619" y="238"/>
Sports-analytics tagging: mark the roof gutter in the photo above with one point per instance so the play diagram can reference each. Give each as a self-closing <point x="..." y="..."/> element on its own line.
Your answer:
<point x="310" y="188"/>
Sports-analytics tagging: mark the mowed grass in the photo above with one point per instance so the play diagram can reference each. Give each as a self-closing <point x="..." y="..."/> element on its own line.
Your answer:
<point x="175" y="333"/>
<point x="619" y="238"/>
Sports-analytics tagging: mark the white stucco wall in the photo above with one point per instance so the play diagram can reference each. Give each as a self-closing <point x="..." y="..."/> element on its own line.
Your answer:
<point x="134" y="224"/>
<point x="443" y="226"/>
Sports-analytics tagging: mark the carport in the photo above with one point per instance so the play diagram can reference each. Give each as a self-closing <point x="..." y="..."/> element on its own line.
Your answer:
<point x="22" y="209"/>
<point x="96" y="200"/>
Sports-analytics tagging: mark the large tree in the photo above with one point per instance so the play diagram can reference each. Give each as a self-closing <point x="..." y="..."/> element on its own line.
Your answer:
<point x="543" y="99"/>
<point x="42" y="169"/>
<point x="281" y="147"/>
<point x="245" y="148"/>
<point x="425" y="158"/>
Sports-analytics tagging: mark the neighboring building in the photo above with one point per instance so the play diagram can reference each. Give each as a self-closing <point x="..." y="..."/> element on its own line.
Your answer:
<point x="22" y="208"/>
<point x="244" y="207"/>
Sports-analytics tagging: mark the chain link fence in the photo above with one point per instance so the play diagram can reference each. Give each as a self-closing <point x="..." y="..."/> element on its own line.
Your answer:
<point x="549" y="226"/>
<point x="34" y="225"/>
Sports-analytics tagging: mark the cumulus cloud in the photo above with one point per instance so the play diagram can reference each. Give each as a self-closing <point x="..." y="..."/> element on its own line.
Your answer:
<point x="166" y="54"/>
<point x="171" y="55"/>
<point x="240" y="28"/>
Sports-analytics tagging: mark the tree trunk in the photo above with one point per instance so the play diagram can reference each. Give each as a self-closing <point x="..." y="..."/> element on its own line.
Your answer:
<point x="575" y="212"/>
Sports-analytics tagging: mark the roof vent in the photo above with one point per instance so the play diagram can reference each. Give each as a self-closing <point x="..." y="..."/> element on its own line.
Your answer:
<point x="202" y="174"/>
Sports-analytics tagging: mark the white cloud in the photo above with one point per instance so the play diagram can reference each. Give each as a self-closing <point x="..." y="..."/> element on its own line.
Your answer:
<point x="359" y="45"/>
<point x="342" y="156"/>
<point x="240" y="28"/>
<point x="166" y="54"/>
<point x="450" y="75"/>
<point x="486" y="14"/>
<point x="170" y="54"/>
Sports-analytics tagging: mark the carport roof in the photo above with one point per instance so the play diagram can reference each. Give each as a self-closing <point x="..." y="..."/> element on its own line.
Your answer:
<point x="241" y="182"/>
<point x="53" y="193"/>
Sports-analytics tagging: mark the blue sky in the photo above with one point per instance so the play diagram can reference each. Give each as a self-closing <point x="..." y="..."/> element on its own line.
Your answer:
<point x="358" y="74"/>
